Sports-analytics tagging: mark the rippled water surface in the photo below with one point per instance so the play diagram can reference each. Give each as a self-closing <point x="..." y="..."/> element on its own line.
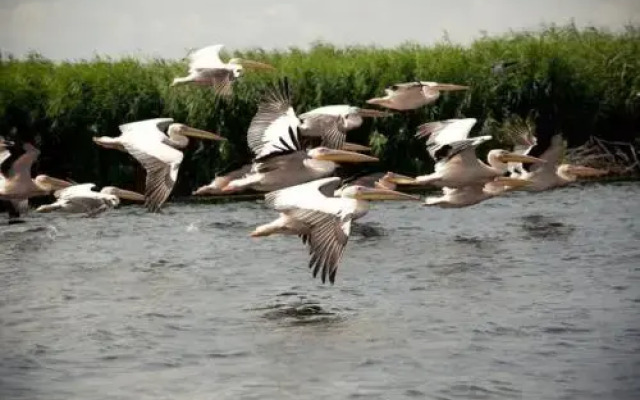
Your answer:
<point x="527" y="296"/>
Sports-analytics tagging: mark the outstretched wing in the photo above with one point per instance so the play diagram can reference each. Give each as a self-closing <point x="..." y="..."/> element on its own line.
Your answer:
<point x="327" y="238"/>
<point x="206" y="58"/>
<point x="275" y="126"/>
<point x="74" y="190"/>
<point x="326" y="126"/>
<point x="161" y="162"/>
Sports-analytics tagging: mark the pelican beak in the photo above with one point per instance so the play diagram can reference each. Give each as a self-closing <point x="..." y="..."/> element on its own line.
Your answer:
<point x="586" y="172"/>
<point x="355" y="147"/>
<point x="366" y="193"/>
<point x="370" y="113"/>
<point x="250" y="64"/>
<point x="51" y="184"/>
<point x="200" y="134"/>
<point x="128" y="195"/>
<point x="399" y="179"/>
<point x="511" y="182"/>
<point x="513" y="157"/>
<point x="345" y="156"/>
<point x="449" y="87"/>
<point x="377" y="100"/>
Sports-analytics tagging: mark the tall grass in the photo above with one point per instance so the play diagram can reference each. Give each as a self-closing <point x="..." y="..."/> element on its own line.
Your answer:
<point x="579" y="82"/>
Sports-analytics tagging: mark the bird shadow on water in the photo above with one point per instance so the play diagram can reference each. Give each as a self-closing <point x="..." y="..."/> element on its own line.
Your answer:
<point x="537" y="226"/>
<point x="292" y="309"/>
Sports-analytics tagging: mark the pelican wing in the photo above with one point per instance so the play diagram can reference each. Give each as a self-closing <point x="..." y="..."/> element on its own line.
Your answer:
<point x="274" y="128"/>
<point x="206" y="58"/>
<point x="327" y="238"/>
<point x="549" y="149"/>
<point x="161" y="162"/>
<point x="311" y="195"/>
<point x="326" y="126"/>
<point x="222" y="80"/>
<point x="443" y="132"/>
<point x="75" y="190"/>
<point x="445" y="152"/>
<point x="147" y="127"/>
<point x="21" y="167"/>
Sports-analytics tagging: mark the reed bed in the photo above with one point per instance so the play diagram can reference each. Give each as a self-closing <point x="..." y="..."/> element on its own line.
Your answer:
<point x="582" y="83"/>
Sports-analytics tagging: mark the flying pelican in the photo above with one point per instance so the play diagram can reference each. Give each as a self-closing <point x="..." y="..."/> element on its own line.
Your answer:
<point x="220" y="182"/>
<point x="82" y="199"/>
<point x="455" y="154"/>
<point x="331" y="123"/>
<point x="206" y="67"/>
<point x="412" y="95"/>
<point x="473" y="194"/>
<point x="379" y="180"/>
<point x="549" y="175"/>
<point x="321" y="220"/>
<point x="16" y="184"/>
<point x="281" y="161"/>
<point x="157" y="152"/>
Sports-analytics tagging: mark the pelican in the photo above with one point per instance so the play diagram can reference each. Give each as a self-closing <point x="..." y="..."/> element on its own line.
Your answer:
<point x="412" y="95"/>
<point x="16" y="184"/>
<point x="549" y="175"/>
<point x="473" y="194"/>
<point x="331" y="123"/>
<point x="281" y="161"/>
<point x="220" y="182"/>
<point x="379" y="180"/>
<point x="206" y="67"/>
<point x="82" y="199"/>
<point x="321" y="220"/>
<point x="455" y="154"/>
<point x="157" y="152"/>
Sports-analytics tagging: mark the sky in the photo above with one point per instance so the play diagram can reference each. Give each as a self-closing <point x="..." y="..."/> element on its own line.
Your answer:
<point x="73" y="29"/>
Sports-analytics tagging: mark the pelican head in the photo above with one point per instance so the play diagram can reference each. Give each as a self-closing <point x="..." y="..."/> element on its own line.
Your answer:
<point x="187" y="131"/>
<point x="339" y="156"/>
<point x="367" y="193"/>
<point x="122" y="194"/>
<point x="503" y="157"/>
<point x="573" y="172"/>
<point x="49" y="184"/>
<point x="112" y="200"/>
<point x="351" y="121"/>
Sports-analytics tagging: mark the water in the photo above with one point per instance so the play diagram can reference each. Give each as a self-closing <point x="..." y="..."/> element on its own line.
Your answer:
<point x="532" y="296"/>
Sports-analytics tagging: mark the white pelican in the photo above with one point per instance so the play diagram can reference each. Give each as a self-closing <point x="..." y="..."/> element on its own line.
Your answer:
<point x="331" y="123"/>
<point x="281" y="161"/>
<point x="321" y="220"/>
<point x="379" y="180"/>
<point x="82" y="199"/>
<point x="16" y="184"/>
<point x="157" y="152"/>
<point x="220" y="182"/>
<point x="206" y="67"/>
<point x="473" y="194"/>
<point x="412" y="95"/>
<point x="455" y="154"/>
<point x="549" y="175"/>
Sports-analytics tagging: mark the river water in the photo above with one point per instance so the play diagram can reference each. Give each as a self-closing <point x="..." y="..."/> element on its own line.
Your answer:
<point x="529" y="296"/>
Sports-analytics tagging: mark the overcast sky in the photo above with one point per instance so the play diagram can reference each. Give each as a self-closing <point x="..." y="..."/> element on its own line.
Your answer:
<point x="62" y="29"/>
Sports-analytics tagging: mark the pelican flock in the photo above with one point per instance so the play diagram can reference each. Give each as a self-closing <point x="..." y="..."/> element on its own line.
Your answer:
<point x="296" y="158"/>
